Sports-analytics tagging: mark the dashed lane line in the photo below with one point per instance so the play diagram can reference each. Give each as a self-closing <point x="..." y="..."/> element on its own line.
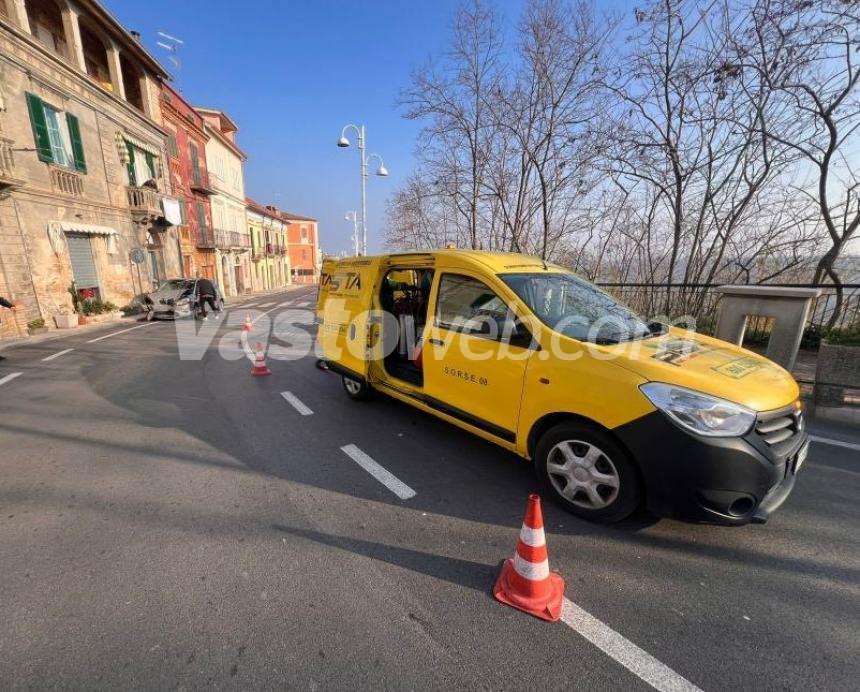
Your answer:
<point x="57" y="355"/>
<point x="388" y="479"/>
<point x="835" y="443"/>
<point x="296" y="403"/>
<point x="121" y="331"/>
<point x="622" y="650"/>
<point x="11" y="376"/>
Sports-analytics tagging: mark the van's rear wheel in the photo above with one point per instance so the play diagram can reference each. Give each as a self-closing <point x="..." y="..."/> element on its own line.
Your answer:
<point x="357" y="390"/>
<point x="587" y="472"/>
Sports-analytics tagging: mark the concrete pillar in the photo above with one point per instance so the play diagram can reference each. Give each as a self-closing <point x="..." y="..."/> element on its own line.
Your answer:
<point x="18" y="14"/>
<point x="788" y="307"/>
<point x="72" y="30"/>
<point x="147" y="95"/>
<point x="115" y="68"/>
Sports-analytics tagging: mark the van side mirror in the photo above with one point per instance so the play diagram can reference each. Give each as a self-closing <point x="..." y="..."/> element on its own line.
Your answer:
<point x="518" y="334"/>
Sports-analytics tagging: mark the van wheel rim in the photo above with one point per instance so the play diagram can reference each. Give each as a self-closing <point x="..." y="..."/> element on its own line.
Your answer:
<point x="352" y="386"/>
<point x="583" y="474"/>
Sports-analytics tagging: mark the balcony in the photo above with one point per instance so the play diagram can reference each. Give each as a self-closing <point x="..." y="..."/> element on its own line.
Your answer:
<point x="67" y="182"/>
<point x="143" y="200"/>
<point x="232" y="240"/>
<point x="270" y="249"/>
<point x="204" y="239"/>
<point x="257" y="253"/>
<point x="8" y="177"/>
<point x="200" y="183"/>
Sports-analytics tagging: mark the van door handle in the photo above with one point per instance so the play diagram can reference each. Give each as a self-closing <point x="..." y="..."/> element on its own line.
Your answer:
<point x="436" y="342"/>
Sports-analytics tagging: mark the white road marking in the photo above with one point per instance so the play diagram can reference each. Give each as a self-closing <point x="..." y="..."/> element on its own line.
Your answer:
<point x="264" y="305"/>
<point x="247" y="305"/>
<point x="835" y="443"/>
<point x="11" y="376"/>
<point x="294" y="401"/>
<point x="286" y="305"/>
<point x="58" y="354"/>
<point x="262" y="313"/>
<point x="388" y="479"/>
<point x="121" y="331"/>
<point x="625" y="652"/>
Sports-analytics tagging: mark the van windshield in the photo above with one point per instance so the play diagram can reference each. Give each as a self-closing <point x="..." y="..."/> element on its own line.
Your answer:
<point x="578" y="309"/>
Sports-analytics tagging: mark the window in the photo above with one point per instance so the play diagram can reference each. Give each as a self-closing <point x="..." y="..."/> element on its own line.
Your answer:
<point x="465" y="304"/>
<point x="304" y="234"/>
<point x="195" y="163"/>
<point x="201" y="222"/>
<point x="57" y="135"/>
<point x="576" y="308"/>
<point x="141" y="165"/>
<point x="172" y="146"/>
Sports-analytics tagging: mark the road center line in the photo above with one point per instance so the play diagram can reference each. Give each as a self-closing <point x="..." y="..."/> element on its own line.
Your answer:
<point x="11" y="376"/>
<point x="625" y="652"/>
<point x="121" y="331"/>
<point x="246" y="305"/>
<point x="296" y="403"/>
<point x="264" y="305"/>
<point x="835" y="443"/>
<point x="286" y="305"/>
<point x="388" y="479"/>
<point x="57" y="355"/>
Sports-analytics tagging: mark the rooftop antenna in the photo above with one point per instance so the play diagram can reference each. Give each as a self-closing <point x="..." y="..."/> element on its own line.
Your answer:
<point x="171" y="44"/>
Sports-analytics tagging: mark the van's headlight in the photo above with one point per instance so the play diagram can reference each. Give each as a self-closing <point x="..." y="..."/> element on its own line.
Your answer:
<point x="700" y="413"/>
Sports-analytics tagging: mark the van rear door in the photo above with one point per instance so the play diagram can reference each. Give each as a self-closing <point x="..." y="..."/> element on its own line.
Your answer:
<point x="344" y="334"/>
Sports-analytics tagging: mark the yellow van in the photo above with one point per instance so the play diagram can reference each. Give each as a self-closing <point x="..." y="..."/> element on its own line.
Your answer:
<point x="613" y="410"/>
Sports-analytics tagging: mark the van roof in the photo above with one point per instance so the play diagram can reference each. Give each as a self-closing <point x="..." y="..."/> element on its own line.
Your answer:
<point x="494" y="261"/>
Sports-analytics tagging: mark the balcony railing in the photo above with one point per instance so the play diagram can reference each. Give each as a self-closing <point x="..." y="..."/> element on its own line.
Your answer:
<point x="229" y="240"/>
<point x="143" y="200"/>
<point x="67" y="182"/>
<point x="200" y="182"/>
<point x="204" y="239"/>
<point x="8" y="177"/>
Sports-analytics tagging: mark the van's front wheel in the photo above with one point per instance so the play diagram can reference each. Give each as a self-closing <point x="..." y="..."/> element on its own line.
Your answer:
<point x="588" y="473"/>
<point x="357" y="390"/>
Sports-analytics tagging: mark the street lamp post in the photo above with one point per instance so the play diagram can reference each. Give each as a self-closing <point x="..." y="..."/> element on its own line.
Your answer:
<point x="382" y="171"/>
<point x="353" y="216"/>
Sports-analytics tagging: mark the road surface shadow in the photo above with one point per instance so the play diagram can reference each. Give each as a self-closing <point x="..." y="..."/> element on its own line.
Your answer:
<point x="473" y="575"/>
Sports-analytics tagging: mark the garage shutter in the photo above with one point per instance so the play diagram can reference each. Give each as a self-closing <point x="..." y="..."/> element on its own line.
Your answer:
<point x="83" y="266"/>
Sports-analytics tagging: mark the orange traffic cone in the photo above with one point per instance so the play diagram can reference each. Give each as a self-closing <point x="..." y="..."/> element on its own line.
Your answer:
<point x="525" y="582"/>
<point x="247" y="326"/>
<point x="260" y="367"/>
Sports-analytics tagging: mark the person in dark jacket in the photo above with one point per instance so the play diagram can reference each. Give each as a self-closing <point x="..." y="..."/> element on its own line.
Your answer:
<point x="11" y="306"/>
<point x="206" y="293"/>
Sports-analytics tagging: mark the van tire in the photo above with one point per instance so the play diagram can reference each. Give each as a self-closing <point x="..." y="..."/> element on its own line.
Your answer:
<point x="357" y="390"/>
<point x="607" y="459"/>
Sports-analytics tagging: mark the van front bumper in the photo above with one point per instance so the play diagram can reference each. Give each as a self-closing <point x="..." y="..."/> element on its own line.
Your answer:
<point x="722" y="480"/>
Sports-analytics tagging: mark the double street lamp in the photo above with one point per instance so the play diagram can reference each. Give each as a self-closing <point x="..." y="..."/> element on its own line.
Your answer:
<point x="382" y="171"/>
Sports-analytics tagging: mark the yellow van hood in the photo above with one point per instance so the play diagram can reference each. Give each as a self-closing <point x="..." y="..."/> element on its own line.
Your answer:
<point x="712" y="366"/>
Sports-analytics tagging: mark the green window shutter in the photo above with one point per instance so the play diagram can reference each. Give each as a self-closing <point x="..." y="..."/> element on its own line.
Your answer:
<point x="132" y="179"/>
<point x="150" y="164"/>
<point x="172" y="146"/>
<point x="40" y="128"/>
<point x="77" y="143"/>
<point x="195" y="162"/>
<point x="202" y="231"/>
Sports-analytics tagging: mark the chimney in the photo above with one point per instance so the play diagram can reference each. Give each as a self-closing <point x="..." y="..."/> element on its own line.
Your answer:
<point x="135" y="35"/>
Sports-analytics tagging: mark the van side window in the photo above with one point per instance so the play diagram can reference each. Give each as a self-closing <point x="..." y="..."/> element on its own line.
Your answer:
<point x="470" y="306"/>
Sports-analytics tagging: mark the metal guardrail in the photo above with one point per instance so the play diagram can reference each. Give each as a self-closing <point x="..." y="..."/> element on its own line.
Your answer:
<point x="701" y="301"/>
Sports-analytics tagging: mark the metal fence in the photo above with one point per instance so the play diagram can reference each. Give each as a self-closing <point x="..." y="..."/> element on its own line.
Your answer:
<point x="701" y="301"/>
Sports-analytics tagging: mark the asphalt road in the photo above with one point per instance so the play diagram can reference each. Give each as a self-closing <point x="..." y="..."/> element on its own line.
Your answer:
<point x="170" y="523"/>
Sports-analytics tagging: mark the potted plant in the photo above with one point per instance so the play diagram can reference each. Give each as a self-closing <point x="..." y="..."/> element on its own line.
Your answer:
<point x="838" y="366"/>
<point x="66" y="320"/>
<point x="37" y="326"/>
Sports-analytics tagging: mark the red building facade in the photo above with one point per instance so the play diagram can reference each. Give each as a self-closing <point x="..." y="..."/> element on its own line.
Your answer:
<point x="189" y="176"/>
<point x="303" y="244"/>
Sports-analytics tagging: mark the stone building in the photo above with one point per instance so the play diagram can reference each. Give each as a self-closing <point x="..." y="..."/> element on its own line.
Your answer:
<point x="189" y="178"/>
<point x="82" y="174"/>
<point x="269" y="256"/>
<point x="232" y="240"/>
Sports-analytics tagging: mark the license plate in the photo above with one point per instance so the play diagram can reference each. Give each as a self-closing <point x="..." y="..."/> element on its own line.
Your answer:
<point x="801" y="457"/>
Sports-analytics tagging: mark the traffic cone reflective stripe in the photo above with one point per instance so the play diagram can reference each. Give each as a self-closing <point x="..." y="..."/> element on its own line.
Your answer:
<point x="525" y="581"/>
<point x="260" y="367"/>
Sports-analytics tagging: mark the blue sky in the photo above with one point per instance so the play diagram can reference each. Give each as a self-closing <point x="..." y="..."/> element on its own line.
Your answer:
<point x="292" y="74"/>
